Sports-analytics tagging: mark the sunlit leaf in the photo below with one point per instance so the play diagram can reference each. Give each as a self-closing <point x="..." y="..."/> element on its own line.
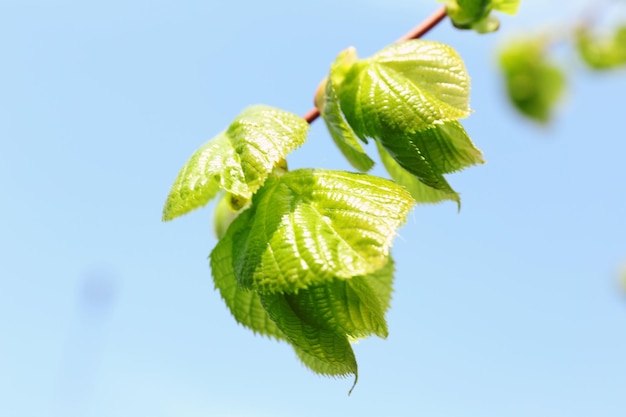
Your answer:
<point x="421" y="192"/>
<point x="487" y="25"/>
<point x="312" y="226"/>
<point x="506" y="6"/>
<point x="238" y="160"/>
<point x="602" y="53"/>
<point x="404" y="88"/>
<point x="223" y="216"/>
<point x="349" y="307"/>
<point x="354" y="307"/>
<point x="476" y="14"/>
<point x="381" y="281"/>
<point x="328" y="103"/>
<point x="534" y="85"/>
<point x="318" y="321"/>
<point x="465" y="13"/>
<point x="244" y="305"/>
<point x="428" y="154"/>
<point x="319" y="366"/>
<point x="325" y="345"/>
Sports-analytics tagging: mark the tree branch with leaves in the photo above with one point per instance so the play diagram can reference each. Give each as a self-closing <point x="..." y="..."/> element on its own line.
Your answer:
<point x="304" y="255"/>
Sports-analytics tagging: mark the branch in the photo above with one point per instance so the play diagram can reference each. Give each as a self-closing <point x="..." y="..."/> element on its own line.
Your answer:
<point x="415" y="33"/>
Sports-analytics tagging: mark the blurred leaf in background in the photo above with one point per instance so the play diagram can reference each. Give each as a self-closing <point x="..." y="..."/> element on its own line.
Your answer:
<point x="533" y="83"/>
<point x="602" y="52"/>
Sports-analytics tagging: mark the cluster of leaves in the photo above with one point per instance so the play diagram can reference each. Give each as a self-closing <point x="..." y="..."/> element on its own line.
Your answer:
<point x="304" y="255"/>
<point x="408" y="98"/>
<point x="535" y="83"/>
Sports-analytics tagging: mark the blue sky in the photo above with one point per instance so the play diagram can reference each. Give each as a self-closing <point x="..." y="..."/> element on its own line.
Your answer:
<point x="509" y="308"/>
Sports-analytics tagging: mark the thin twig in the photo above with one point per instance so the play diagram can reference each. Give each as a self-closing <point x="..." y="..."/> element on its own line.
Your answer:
<point x="311" y="115"/>
<point x="415" y="33"/>
<point x="424" y="27"/>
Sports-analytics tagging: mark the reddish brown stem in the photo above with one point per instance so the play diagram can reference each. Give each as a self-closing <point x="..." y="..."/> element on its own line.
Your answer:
<point x="415" y="33"/>
<point x="311" y="115"/>
<point x="424" y="27"/>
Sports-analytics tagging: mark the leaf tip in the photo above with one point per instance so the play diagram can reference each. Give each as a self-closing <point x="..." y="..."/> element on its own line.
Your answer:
<point x="356" y="379"/>
<point x="169" y="213"/>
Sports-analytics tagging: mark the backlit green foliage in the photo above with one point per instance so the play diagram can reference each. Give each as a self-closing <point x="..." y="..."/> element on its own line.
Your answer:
<point x="407" y="98"/>
<point x="602" y="53"/>
<point x="304" y="256"/>
<point x="309" y="262"/>
<point x="238" y="160"/>
<point x="476" y="14"/>
<point x="534" y="84"/>
<point x="312" y="226"/>
<point x="339" y="129"/>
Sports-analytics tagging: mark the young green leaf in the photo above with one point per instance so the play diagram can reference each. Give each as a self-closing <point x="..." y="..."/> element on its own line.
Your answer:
<point x="238" y="160"/>
<point x="312" y="226"/>
<point x="602" y="53"/>
<point x="487" y="25"/>
<point x="506" y="6"/>
<point x="223" y="216"/>
<point x="318" y="321"/>
<point x="465" y="13"/>
<point x="421" y="192"/>
<point x="353" y="307"/>
<point x="534" y="85"/>
<point x="381" y="282"/>
<point x="476" y="14"/>
<point x="321" y="367"/>
<point x="244" y="305"/>
<point x="429" y="153"/>
<point x="325" y="346"/>
<point x="328" y="104"/>
<point x="404" y="88"/>
<point x="346" y="306"/>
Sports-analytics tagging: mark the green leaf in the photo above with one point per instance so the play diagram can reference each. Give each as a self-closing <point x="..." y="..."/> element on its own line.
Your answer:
<point x="446" y="146"/>
<point x="421" y="192"/>
<point x="381" y="281"/>
<point x="328" y="103"/>
<point x="428" y="154"/>
<point x="534" y="85"/>
<point x="318" y="321"/>
<point x="238" y="160"/>
<point x="223" y="216"/>
<point x="312" y="226"/>
<point x="476" y="14"/>
<point x="244" y="305"/>
<point x="327" y="351"/>
<point x="349" y="307"/>
<point x="359" y="313"/>
<point x="464" y="13"/>
<point x="404" y="88"/>
<point x="506" y="6"/>
<point x="602" y="53"/>
<point x="487" y="25"/>
<point x="319" y="366"/>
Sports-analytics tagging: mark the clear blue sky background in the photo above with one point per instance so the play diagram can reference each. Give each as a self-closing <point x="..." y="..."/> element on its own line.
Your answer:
<point x="509" y="308"/>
